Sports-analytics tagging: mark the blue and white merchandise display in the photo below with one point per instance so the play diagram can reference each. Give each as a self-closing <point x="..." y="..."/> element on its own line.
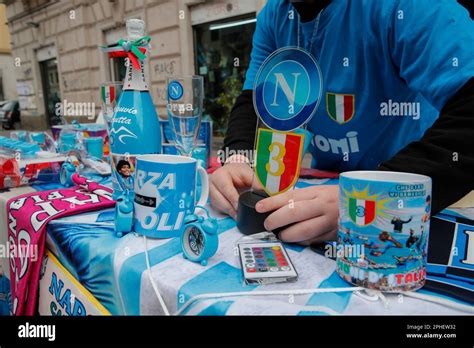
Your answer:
<point x="135" y="126"/>
<point x="165" y="191"/>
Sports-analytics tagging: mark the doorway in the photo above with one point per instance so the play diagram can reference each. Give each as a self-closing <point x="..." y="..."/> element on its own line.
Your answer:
<point x="222" y="55"/>
<point x="51" y="92"/>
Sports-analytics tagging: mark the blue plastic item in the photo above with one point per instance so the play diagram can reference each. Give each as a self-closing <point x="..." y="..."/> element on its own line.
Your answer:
<point x="67" y="142"/>
<point x="65" y="176"/>
<point x="123" y="214"/>
<point x="199" y="240"/>
<point x="38" y="138"/>
<point x="23" y="147"/>
<point x="94" y="146"/>
<point x="20" y="135"/>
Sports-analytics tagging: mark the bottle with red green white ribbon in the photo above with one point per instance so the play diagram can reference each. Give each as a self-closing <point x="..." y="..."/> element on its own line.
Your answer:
<point x="135" y="128"/>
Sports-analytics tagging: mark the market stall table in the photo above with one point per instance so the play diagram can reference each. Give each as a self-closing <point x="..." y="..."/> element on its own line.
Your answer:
<point x="114" y="277"/>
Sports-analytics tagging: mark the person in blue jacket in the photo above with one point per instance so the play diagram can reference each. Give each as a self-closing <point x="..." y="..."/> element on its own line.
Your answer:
<point x="406" y="70"/>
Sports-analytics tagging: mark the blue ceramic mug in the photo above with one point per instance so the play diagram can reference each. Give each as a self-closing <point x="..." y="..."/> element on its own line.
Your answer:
<point x="165" y="192"/>
<point x="384" y="222"/>
<point x="67" y="142"/>
<point x="38" y="137"/>
<point x="95" y="146"/>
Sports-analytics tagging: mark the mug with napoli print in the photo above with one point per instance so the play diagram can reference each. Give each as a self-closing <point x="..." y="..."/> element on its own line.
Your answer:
<point x="165" y="192"/>
<point x="383" y="231"/>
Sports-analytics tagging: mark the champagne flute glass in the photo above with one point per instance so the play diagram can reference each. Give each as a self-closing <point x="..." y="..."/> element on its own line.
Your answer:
<point x="185" y="103"/>
<point x="109" y="93"/>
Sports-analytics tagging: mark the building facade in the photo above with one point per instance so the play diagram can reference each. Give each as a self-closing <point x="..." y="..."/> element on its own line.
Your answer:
<point x="7" y="73"/>
<point x="55" y="49"/>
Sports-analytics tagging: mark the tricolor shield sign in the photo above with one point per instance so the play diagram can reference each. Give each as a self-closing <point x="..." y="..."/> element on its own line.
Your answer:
<point x="340" y="107"/>
<point x="361" y="211"/>
<point x="108" y="94"/>
<point x="278" y="159"/>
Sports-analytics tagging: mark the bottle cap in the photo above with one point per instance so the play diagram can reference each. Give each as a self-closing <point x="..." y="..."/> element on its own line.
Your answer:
<point x="135" y="29"/>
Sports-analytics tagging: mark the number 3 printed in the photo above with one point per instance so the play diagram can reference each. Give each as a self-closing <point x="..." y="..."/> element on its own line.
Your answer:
<point x="276" y="159"/>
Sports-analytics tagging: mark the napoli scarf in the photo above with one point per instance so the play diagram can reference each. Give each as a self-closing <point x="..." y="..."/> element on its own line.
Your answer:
<point x="28" y="216"/>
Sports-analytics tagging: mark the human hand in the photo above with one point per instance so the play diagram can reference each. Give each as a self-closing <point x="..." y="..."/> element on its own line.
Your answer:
<point x="312" y="212"/>
<point x="224" y="186"/>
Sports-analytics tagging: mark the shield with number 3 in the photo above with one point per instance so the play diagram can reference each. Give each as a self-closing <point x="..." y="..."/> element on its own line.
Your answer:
<point x="278" y="159"/>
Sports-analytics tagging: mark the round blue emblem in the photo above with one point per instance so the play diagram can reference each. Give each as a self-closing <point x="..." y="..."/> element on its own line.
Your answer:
<point x="287" y="89"/>
<point x="175" y="90"/>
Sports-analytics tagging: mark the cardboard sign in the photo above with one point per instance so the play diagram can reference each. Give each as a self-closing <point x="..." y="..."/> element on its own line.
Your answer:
<point x="62" y="294"/>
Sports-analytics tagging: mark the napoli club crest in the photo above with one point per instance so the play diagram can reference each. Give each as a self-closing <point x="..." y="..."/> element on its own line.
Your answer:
<point x="175" y="90"/>
<point x="287" y="89"/>
<point x="362" y="211"/>
<point x="278" y="159"/>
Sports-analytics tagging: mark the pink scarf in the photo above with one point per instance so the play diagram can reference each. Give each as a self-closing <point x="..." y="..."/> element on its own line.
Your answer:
<point x="28" y="216"/>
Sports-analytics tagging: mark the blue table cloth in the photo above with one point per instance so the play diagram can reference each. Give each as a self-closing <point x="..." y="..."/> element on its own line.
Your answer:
<point x="114" y="270"/>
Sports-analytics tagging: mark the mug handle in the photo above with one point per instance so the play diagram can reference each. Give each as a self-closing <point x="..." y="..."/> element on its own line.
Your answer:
<point x="204" y="186"/>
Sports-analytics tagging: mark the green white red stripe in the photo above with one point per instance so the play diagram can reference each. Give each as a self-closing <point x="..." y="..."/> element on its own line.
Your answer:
<point x="361" y="211"/>
<point x="340" y="107"/>
<point x="288" y="163"/>
<point x="108" y="94"/>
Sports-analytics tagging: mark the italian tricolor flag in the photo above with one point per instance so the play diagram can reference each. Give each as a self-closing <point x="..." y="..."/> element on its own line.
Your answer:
<point x="278" y="159"/>
<point x="361" y="211"/>
<point x="340" y="107"/>
<point x="108" y="94"/>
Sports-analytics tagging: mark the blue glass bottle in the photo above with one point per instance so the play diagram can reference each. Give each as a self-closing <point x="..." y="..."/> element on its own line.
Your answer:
<point x="135" y="128"/>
